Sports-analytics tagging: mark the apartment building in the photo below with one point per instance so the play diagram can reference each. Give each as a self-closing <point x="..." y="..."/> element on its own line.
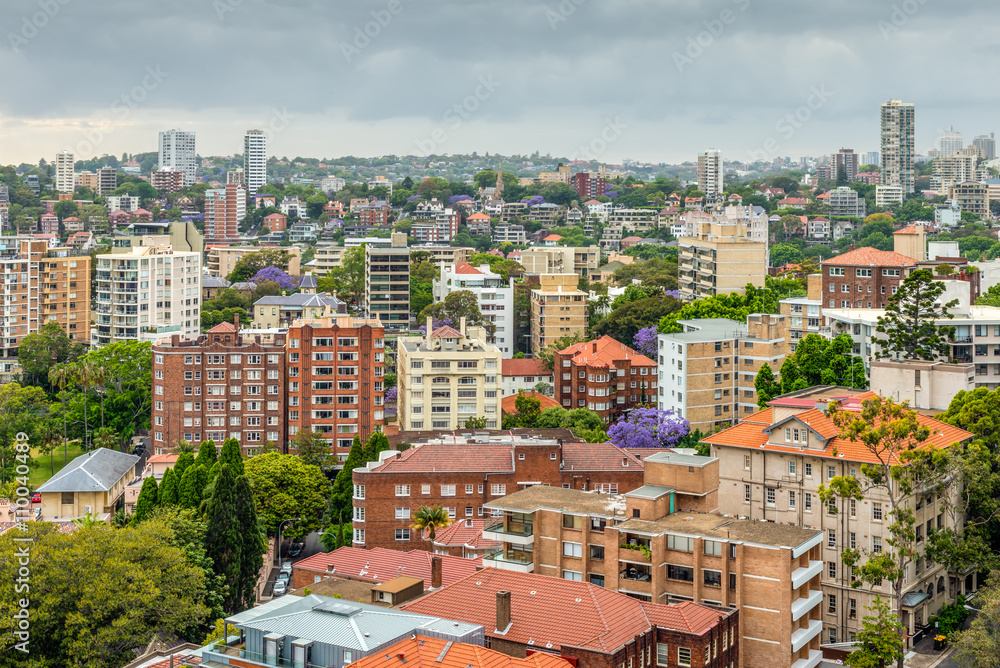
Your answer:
<point x="328" y="256"/>
<point x="707" y="370"/>
<point x="509" y="232"/>
<point x="177" y="152"/>
<point x="844" y="201"/>
<point x="589" y="184"/>
<point x="753" y="217"/>
<point x="897" y="145"/>
<point x="107" y="180"/>
<point x="478" y="223"/>
<point x="221" y="260"/>
<point x="65" y="172"/>
<point x="167" y="179"/>
<point x="719" y="259"/>
<point x="495" y="298"/>
<point x="863" y="278"/>
<point x="225" y="209"/>
<point x="710" y="168"/>
<point x="280" y="311"/>
<point x="662" y="543"/>
<point x="803" y="315"/>
<point x="558" y="309"/>
<point x="950" y="170"/>
<point x="522" y="375"/>
<point x="771" y="466"/>
<point x="986" y="145"/>
<point x="582" y="261"/>
<point x="971" y="196"/>
<point x="146" y="292"/>
<point x="223" y="384"/>
<point x="847" y="160"/>
<point x="464" y="471"/>
<point x="446" y="377"/>
<point x="635" y="220"/>
<point x="40" y="285"/>
<point x="604" y="376"/>
<point x="446" y="255"/>
<point x="254" y="160"/>
<point x="524" y="614"/>
<point x="387" y="284"/>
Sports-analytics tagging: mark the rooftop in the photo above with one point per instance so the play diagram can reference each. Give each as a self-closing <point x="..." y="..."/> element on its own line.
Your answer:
<point x="680" y="459"/>
<point x="380" y="565"/>
<point x="95" y="471"/>
<point x="524" y="367"/>
<point x="708" y="329"/>
<point x="463" y="532"/>
<point x="604" y="352"/>
<point x="709" y="525"/>
<point x="420" y="651"/>
<point x="559" y="499"/>
<point x="508" y="405"/>
<point x="871" y="257"/>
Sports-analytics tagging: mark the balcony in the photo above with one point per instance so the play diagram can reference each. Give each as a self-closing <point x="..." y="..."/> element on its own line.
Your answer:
<point x="515" y="533"/>
<point x="803" y="575"/>
<point x="801" y="637"/>
<point x="522" y="562"/>
<point x="811" y="661"/>
<point x="804" y="604"/>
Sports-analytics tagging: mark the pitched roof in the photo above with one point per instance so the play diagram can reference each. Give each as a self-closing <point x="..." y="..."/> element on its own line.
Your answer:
<point x="871" y="257"/>
<point x="224" y="327"/>
<point x="508" y="405"/>
<point x="96" y="471"/>
<point x="420" y="651"/>
<point x="308" y="282"/>
<point x="605" y="351"/>
<point x="552" y="237"/>
<point x="381" y="565"/>
<point x="465" y="532"/>
<point x="454" y="457"/>
<point x="550" y="612"/>
<point x="753" y="432"/>
<point x="632" y="239"/>
<point x="466" y="268"/>
<point x="909" y="229"/>
<point x="444" y="331"/>
<point x="598" y="457"/>
<point x="523" y="367"/>
<point x="478" y="216"/>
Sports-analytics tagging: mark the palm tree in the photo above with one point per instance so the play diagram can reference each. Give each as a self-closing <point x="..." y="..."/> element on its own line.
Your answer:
<point x="87" y="521"/>
<point x="183" y="446"/>
<point x="431" y="517"/>
<point x="61" y="375"/>
<point x="49" y="433"/>
<point x="85" y="375"/>
<point x="99" y="375"/>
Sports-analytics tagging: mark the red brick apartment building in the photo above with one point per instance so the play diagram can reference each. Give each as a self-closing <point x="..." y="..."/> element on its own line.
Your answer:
<point x="222" y="384"/>
<point x="604" y="376"/>
<point x="336" y="367"/>
<point x="379" y="565"/>
<point x="863" y="278"/>
<point x="462" y="472"/>
<point x="592" y="626"/>
<point x="588" y="184"/>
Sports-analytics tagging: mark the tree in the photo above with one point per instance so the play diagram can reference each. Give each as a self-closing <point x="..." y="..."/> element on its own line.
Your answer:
<point x="979" y="646"/>
<point x="476" y="423"/>
<point x="66" y="208"/>
<point x="21" y="410"/>
<point x="457" y="305"/>
<point x="312" y="448"/>
<point x="251" y="263"/>
<point x="893" y="439"/>
<point x="431" y="517"/>
<point x="39" y="352"/>
<point x="376" y="443"/>
<point x="625" y="322"/>
<point x="192" y="486"/>
<point x="732" y="306"/>
<point x="767" y="386"/>
<point x="100" y="593"/>
<point x="184" y="460"/>
<point x="284" y="486"/>
<point x="232" y="454"/>
<point x="343" y="485"/>
<point x="61" y="376"/>
<point x="147" y="501"/>
<point x="910" y="321"/>
<point x="547" y="355"/>
<point x="126" y="382"/>
<point x="821" y="361"/>
<point x="232" y="540"/>
<point x="348" y="280"/>
<point x="991" y="297"/>
<point x="648" y="428"/>
<point x="645" y="341"/>
<point x="168" y="493"/>
<point x="878" y="640"/>
<point x="527" y="408"/>
<point x="207" y="454"/>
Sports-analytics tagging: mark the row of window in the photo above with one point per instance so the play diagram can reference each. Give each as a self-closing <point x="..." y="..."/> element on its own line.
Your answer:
<point x="326" y="342"/>
<point x="862" y="273"/>
<point x="450" y="490"/>
<point x="234" y="358"/>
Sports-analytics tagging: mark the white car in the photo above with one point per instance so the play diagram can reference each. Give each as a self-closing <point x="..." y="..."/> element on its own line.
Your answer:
<point x="286" y="567"/>
<point x="280" y="588"/>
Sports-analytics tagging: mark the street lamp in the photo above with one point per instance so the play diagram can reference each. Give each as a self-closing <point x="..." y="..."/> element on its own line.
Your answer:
<point x="281" y="524"/>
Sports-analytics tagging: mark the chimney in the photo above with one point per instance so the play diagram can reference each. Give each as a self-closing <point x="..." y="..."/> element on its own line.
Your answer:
<point x="595" y="346"/>
<point x="503" y="611"/>
<point x="435" y="572"/>
<point x="461" y="325"/>
<point x="430" y="326"/>
<point x="236" y="321"/>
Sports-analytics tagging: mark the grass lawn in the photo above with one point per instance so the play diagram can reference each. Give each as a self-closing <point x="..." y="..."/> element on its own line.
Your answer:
<point x="43" y="472"/>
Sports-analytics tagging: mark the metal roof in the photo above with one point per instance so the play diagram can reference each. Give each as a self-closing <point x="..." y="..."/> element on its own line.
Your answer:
<point x="914" y="598"/>
<point x="650" y="491"/>
<point x="96" y="471"/>
<point x="680" y="459"/>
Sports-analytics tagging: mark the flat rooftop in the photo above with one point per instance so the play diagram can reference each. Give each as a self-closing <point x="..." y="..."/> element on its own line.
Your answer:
<point x="650" y="491"/>
<point x="575" y="501"/>
<point x="708" y="329"/>
<point x="707" y="525"/>
<point x="680" y="458"/>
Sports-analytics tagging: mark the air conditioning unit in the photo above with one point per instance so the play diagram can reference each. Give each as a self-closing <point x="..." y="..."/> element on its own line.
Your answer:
<point x="86" y="510"/>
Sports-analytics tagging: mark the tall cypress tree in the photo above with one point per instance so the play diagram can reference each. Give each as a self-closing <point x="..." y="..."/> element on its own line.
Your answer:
<point x="146" y="503"/>
<point x="224" y="535"/>
<point x="343" y="484"/>
<point x="168" y="490"/>
<point x="192" y="485"/>
<point x="184" y="460"/>
<point x="233" y="455"/>
<point x="207" y="454"/>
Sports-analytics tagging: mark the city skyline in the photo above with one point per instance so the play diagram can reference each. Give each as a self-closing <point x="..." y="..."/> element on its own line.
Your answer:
<point x="413" y="85"/>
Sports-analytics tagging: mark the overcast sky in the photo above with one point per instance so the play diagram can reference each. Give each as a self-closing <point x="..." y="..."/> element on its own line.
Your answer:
<point x="650" y="80"/>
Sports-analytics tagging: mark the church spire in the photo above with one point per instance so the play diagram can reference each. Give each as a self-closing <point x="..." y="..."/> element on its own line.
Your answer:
<point x="499" y="188"/>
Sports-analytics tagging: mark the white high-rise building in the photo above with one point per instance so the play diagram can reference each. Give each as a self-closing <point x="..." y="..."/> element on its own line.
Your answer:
<point x="986" y="145"/>
<point x="65" y="172"/>
<point x="951" y="142"/>
<point x="495" y="297"/>
<point x="897" y="145"/>
<point x="871" y="158"/>
<point x="177" y="151"/>
<point x="255" y="160"/>
<point x="710" y="173"/>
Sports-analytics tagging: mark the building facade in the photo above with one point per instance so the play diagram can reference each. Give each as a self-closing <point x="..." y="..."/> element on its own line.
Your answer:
<point x="65" y="172"/>
<point x="558" y="309"/>
<point x="254" y="160"/>
<point x="971" y="196"/>
<point x="844" y="201"/>
<point x="604" y="376"/>
<point x="495" y="298"/>
<point x="225" y="209"/>
<point x="897" y="145"/>
<point x="710" y="173"/>
<point x="863" y="278"/>
<point x="177" y="151"/>
<point x="719" y="259"/>
<point x="387" y="284"/>
<point x="582" y="261"/>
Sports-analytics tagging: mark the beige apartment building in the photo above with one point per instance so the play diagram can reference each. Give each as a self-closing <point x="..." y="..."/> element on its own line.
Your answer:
<point x="221" y="260"/>
<point x="582" y="261"/>
<point x="719" y="259"/>
<point x="771" y="466"/>
<point x="328" y="256"/>
<point x="706" y="372"/>
<point x="558" y="309"/>
<point x="387" y="283"/>
<point x="971" y="196"/>
<point x="803" y="315"/>
<point x="664" y="543"/>
<point x="447" y="255"/>
<point x="950" y="170"/>
<point x="446" y="377"/>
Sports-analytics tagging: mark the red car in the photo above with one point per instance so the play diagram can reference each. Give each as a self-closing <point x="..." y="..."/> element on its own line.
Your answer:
<point x="36" y="497"/>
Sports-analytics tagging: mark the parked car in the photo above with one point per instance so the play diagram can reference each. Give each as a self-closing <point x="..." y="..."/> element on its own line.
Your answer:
<point x="36" y="497"/>
<point x="287" y="567"/>
<point x="295" y="549"/>
<point x="280" y="588"/>
<point x="284" y="577"/>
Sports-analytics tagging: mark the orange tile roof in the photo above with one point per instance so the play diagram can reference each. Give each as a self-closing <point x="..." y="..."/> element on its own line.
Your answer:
<point x="552" y="612"/>
<point x="508" y="405"/>
<point x="871" y="257"/>
<point x="381" y="565"/>
<point x="524" y="367"/>
<point x="446" y="332"/>
<point x="604" y="352"/>
<point x="909" y="229"/>
<point x="752" y="432"/>
<point x="168" y="458"/>
<point x="223" y="328"/>
<point x="478" y="216"/>
<point x="466" y="532"/>
<point x="466" y="268"/>
<point x="420" y="651"/>
<point x="552" y="237"/>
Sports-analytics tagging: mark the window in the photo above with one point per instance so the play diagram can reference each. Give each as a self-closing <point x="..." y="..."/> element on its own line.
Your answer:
<point x="831" y="472"/>
<point x="746" y="462"/>
<point x="791" y="500"/>
<point x="791" y="468"/>
<point x="680" y="543"/>
<point x="808" y="469"/>
<point x="746" y="493"/>
<point x="680" y="573"/>
<point x="853" y="505"/>
<point x="770" y="496"/>
<point x="713" y="548"/>
<point x="683" y="656"/>
<point x="876" y="543"/>
<point x="809" y="501"/>
<point x="447" y="490"/>
<point x="402" y="534"/>
<point x="425" y="489"/>
<point x="597" y="552"/>
<point x="852" y="608"/>
<point x="572" y="575"/>
<point x="853" y="540"/>
<point x="831" y="603"/>
<point x="713" y="578"/>
<point x="831" y="569"/>
<point x="876" y="512"/>
<point x="359" y="514"/>
<point x="732" y="580"/>
<point x="831" y="538"/>
<point x="402" y="513"/>
<point x="402" y="490"/>
<point x="662" y="654"/>
<point x="359" y="536"/>
<point x="572" y="549"/>
<point x="836" y="271"/>
<point x="498" y="490"/>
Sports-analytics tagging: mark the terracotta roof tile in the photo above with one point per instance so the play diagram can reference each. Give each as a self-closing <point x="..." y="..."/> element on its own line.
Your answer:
<point x="608" y="351"/>
<point x="478" y="216"/>
<point x="440" y="457"/>
<point x="465" y="532"/>
<point x="909" y="229"/>
<point x="598" y="457"/>
<point x="508" y="405"/>
<point x="524" y="367"/>
<point x="421" y="651"/>
<point x="381" y="565"/>
<point x="871" y="257"/>
<point x="552" y="237"/>
<point x="223" y="328"/>
<point x="466" y="268"/>
<point x="446" y="332"/>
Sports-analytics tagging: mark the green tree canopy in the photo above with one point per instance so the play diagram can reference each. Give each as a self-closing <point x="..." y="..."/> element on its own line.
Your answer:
<point x="910" y="321"/>
<point x="147" y="501"/>
<point x="732" y="306"/>
<point x="39" y="352"/>
<point x="248" y="265"/>
<point x="284" y="486"/>
<point x="232" y="539"/>
<point x="457" y="305"/>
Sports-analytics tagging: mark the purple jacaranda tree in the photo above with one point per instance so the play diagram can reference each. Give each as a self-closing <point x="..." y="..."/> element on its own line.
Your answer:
<point x="612" y="194"/>
<point x="390" y="402"/>
<point x="458" y="198"/>
<point x="438" y="322"/>
<point x="648" y="428"/>
<point x="644" y="341"/>
<point x="534" y="201"/>
<point x="285" y="281"/>
<point x="676" y="294"/>
<point x="414" y="198"/>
